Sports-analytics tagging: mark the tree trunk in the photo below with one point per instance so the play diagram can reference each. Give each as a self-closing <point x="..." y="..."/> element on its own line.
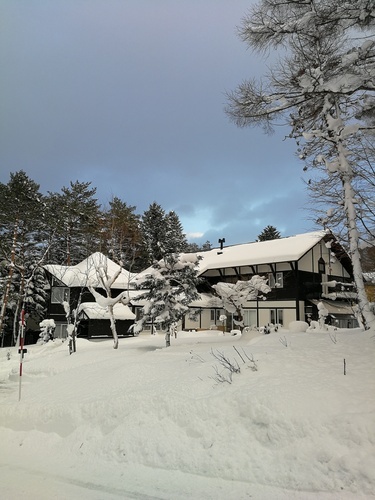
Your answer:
<point x="68" y="247"/>
<point x="76" y="321"/>
<point x="16" y="321"/>
<point x="113" y="327"/>
<point x="167" y="339"/>
<point x="19" y="307"/>
<point x="368" y="318"/>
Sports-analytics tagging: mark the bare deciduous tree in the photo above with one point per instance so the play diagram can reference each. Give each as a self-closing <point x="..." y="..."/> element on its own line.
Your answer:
<point x="323" y="86"/>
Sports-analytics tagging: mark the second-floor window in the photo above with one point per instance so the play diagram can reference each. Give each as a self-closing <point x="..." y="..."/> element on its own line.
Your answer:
<point x="275" y="280"/>
<point x="60" y="294"/>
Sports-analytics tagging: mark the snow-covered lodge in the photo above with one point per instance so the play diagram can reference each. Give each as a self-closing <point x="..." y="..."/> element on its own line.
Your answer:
<point x="69" y="291"/>
<point x="301" y="271"/>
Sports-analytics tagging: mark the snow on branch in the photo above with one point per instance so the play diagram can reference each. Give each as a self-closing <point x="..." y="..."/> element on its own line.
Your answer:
<point x="235" y="295"/>
<point x="170" y="286"/>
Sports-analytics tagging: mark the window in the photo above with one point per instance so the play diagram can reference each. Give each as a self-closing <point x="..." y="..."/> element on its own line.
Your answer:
<point x="61" y="331"/>
<point x="60" y="294"/>
<point x="276" y="283"/>
<point x="215" y="315"/>
<point x="277" y="316"/>
<point x="250" y="317"/>
<point x="321" y="266"/>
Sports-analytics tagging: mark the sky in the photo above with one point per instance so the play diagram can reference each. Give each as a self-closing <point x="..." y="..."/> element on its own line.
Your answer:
<point x="149" y="422"/>
<point x="130" y="95"/>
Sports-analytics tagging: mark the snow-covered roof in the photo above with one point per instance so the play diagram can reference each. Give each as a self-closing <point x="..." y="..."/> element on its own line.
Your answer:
<point x="335" y="307"/>
<point x="207" y="300"/>
<point x="287" y="249"/>
<point x="87" y="272"/>
<point x="93" y="311"/>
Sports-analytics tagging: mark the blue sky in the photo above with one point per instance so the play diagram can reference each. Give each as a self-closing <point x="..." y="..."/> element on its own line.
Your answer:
<point x="130" y="95"/>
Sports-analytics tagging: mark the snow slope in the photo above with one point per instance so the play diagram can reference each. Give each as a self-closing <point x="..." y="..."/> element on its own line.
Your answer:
<point x="149" y="422"/>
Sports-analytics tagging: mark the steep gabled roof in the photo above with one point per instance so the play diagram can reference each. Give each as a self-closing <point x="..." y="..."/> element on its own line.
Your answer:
<point x="86" y="273"/>
<point x="288" y="249"/>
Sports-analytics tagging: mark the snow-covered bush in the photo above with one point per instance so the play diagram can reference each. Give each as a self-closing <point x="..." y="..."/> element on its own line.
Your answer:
<point x="298" y="326"/>
<point x="47" y="328"/>
<point x="250" y="328"/>
<point x="314" y="325"/>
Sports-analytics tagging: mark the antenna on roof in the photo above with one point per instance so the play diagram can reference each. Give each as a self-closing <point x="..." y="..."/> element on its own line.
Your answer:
<point x="221" y="241"/>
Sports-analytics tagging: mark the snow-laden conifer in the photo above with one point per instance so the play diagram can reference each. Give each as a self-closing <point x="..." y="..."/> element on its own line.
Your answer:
<point x="170" y="286"/>
<point x="162" y="233"/>
<point x="21" y="222"/>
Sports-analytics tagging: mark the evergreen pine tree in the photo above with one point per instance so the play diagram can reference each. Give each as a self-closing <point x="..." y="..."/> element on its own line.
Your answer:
<point x="162" y="233"/>
<point x="74" y="219"/>
<point x="206" y="246"/>
<point x="175" y="239"/>
<point x="121" y="237"/>
<point x="154" y="231"/>
<point x="21" y="219"/>
<point x="194" y="247"/>
<point x="36" y="293"/>
<point x="269" y="233"/>
<point x="171" y="286"/>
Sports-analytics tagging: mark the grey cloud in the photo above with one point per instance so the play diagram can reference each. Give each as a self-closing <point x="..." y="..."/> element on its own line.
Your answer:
<point x="130" y="96"/>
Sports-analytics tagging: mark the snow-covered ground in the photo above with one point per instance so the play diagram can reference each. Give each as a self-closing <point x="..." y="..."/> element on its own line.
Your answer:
<point x="149" y="422"/>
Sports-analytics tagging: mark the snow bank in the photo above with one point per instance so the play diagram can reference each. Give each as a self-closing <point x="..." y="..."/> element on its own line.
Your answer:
<point x="147" y="421"/>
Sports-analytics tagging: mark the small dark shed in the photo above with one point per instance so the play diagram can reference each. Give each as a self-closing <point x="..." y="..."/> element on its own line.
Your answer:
<point x="94" y="321"/>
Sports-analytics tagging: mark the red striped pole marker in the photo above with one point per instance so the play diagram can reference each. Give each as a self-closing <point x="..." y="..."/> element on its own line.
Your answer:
<point x="22" y="351"/>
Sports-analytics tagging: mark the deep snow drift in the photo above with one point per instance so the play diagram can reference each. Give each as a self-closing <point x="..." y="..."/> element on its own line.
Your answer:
<point x="149" y="422"/>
